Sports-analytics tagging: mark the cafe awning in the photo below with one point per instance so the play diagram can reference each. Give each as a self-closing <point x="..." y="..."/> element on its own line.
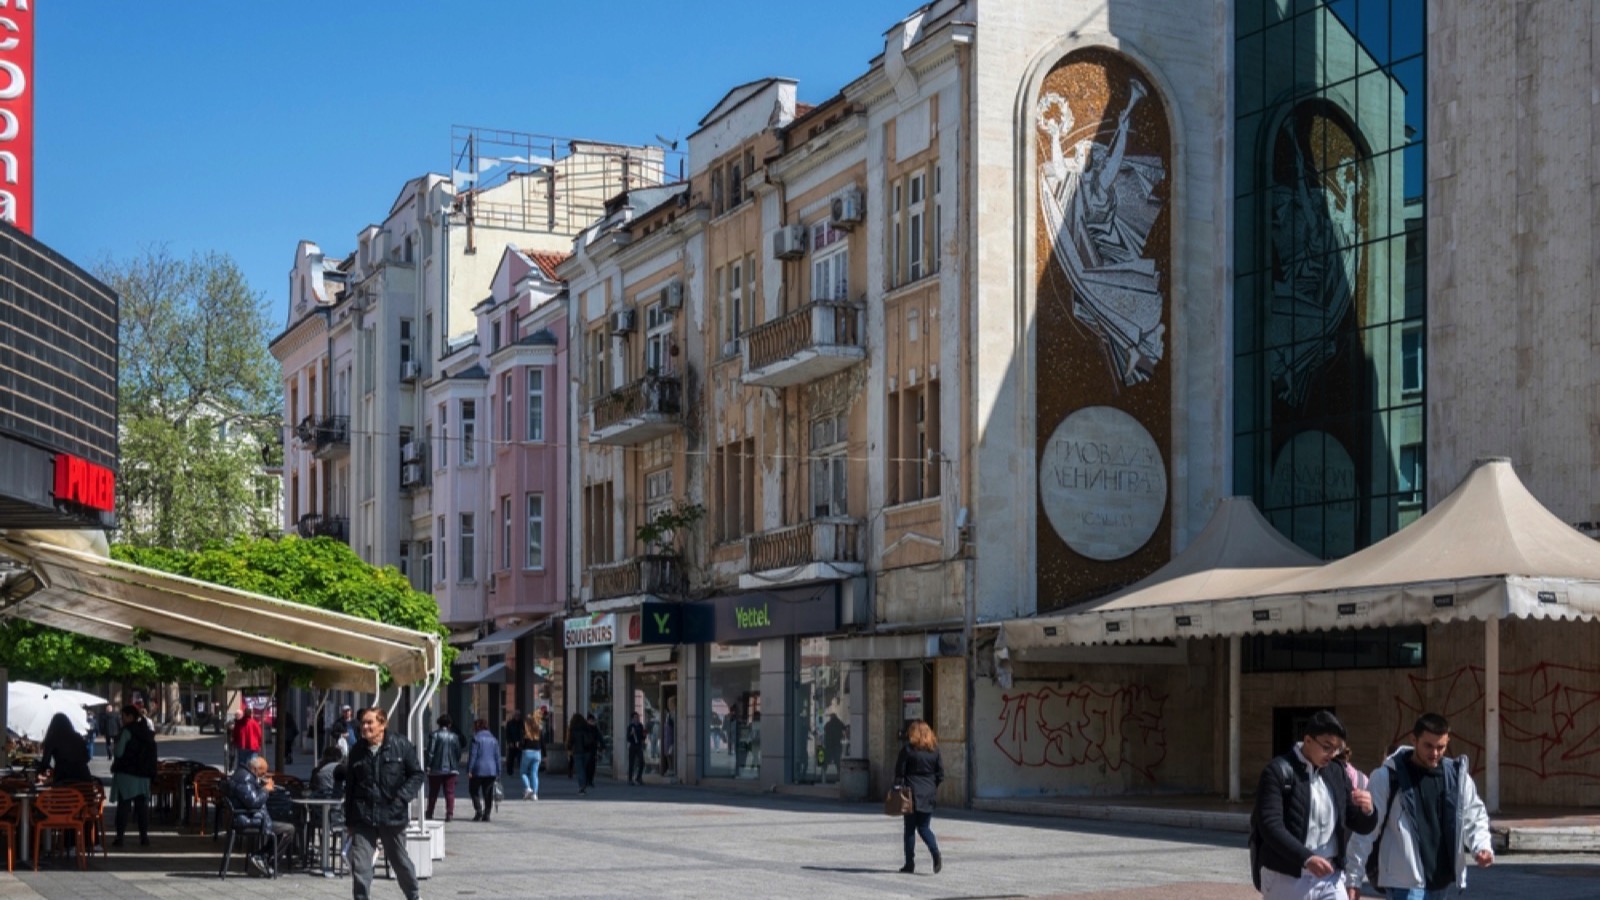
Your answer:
<point x="85" y="593"/>
<point x="495" y="674"/>
<point x="499" y="641"/>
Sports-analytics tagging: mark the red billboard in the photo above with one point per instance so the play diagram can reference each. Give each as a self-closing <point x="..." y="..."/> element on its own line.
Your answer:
<point x="16" y="113"/>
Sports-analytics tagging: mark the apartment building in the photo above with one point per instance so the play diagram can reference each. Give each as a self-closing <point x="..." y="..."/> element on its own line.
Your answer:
<point x="394" y="360"/>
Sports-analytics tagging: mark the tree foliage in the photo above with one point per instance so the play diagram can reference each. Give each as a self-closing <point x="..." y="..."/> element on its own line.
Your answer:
<point x="198" y="401"/>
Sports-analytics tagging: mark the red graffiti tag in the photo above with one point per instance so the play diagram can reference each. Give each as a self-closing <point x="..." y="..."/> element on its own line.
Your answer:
<point x="1086" y="725"/>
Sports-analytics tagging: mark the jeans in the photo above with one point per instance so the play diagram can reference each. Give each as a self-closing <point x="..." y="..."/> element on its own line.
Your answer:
<point x="530" y="771"/>
<point x="635" y="763"/>
<point x="446" y="780"/>
<point x="1418" y="893"/>
<point x="140" y="807"/>
<point x="364" y="843"/>
<point x="920" y="823"/>
<point x="583" y="764"/>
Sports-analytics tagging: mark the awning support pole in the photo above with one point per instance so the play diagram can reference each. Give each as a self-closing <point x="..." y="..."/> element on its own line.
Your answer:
<point x="419" y="709"/>
<point x="1233" y="718"/>
<point x="1491" y="712"/>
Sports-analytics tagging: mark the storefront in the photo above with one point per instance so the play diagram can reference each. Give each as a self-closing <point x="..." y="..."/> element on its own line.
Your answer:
<point x="647" y="661"/>
<point x="776" y="703"/>
<point x="589" y="641"/>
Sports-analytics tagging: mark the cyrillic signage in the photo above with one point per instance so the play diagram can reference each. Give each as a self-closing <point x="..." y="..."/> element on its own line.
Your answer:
<point x="16" y="113"/>
<point x="84" y="483"/>
<point x="598" y="630"/>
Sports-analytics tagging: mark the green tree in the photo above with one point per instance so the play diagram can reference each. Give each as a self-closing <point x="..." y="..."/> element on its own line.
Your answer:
<point x="198" y="401"/>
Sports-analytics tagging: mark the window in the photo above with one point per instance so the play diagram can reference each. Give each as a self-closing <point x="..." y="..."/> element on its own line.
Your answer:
<point x="1397" y="647"/>
<point x="468" y="539"/>
<point x="444" y="435"/>
<point x="409" y="251"/>
<point x="469" y="431"/>
<point x="909" y="242"/>
<point x="658" y="330"/>
<point x="1411" y="359"/>
<point x="915" y="236"/>
<point x="405" y="343"/>
<point x="657" y="494"/>
<point x="828" y="478"/>
<point x="897" y="243"/>
<point x="597" y="531"/>
<point x="830" y="263"/>
<point x="535" y="404"/>
<point x="424" y="579"/>
<point x="716" y="192"/>
<point x="505" y="532"/>
<point x="505" y="407"/>
<point x="405" y="559"/>
<point x="736" y="476"/>
<point x="1410" y="474"/>
<point x="494" y="336"/>
<point x="735" y="183"/>
<point x="937" y="238"/>
<point x="913" y="445"/>
<point x="535" y="555"/>
<point x="443" y="554"/>
<point x="599" y="370"/>
<point x="735" y="285"/>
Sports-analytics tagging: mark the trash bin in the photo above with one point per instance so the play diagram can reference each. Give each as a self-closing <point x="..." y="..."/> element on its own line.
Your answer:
<point x="853" y="779"/>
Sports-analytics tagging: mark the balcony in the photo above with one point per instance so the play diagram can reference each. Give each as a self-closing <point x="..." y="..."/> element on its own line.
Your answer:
<point x="637" y="412"/>
<point x="816" y="340"/>
<point x="655" y="574"/>
<point x="315" y="525"/>
<point x="328" y="436"/>
<point x="818" y="550"/>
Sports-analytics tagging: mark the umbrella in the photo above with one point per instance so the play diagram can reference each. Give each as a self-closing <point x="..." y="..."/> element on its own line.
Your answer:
<point x="82" y="698"/>
<point x="30" y="707"/>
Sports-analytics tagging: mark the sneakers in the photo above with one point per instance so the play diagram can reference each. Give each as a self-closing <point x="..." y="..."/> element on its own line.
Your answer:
<point x="256" y="864"/>
<point x="938" y="863"/>
<point x="534" y="798"/>
<point x="527" y="794"/>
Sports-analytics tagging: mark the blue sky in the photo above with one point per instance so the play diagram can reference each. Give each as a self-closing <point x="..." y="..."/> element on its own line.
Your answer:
<point x="244" y="127"/>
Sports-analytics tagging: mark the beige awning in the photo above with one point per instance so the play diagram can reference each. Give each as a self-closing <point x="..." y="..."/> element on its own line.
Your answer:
<point x="93" y="595"/>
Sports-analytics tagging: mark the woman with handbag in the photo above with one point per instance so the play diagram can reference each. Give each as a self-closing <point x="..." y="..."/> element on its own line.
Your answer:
<point x="920" y="769"/>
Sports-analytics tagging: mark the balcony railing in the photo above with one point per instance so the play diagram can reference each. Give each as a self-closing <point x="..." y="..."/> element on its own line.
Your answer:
<point x="816" y="340"/>
<point x="654" y="574"/>
<point x="315" y="525"/>
<point x="328" y="435"/>
<point x="832" y="540"/>
<point x="645" y="409"/>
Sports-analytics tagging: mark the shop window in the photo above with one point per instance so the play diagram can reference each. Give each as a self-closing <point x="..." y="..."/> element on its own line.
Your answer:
<point x="733" y="722"/>
<point x="821" y="706"/>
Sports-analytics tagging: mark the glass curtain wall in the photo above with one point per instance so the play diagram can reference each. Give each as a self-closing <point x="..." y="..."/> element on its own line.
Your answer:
<point x="1329" y="298"/>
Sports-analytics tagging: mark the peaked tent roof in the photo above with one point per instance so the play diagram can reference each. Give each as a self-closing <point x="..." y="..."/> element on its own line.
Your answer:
<point x="1237" y="552"/>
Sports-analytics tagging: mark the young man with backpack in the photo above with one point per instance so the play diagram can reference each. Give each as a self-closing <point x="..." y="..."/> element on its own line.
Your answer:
<point x="1429" y="819"/>
<point x="1305" y="811"/>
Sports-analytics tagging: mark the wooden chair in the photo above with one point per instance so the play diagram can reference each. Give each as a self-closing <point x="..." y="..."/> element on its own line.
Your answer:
<point x="58" y="810"/>
<point x="8" y="824"/>
<point x="295" y="786"/>
<point x="207" y="790"/>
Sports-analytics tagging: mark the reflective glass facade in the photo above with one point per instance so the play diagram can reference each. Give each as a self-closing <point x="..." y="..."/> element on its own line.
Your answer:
<point x="1329" y="337"/>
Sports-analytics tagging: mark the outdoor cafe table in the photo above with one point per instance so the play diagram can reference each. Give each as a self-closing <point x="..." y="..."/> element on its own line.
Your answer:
<point x="24" y="824"/>
<point x="325" y="805"/>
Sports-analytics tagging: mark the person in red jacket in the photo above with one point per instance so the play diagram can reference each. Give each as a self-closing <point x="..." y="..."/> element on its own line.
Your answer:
<point x="246" y="737"/>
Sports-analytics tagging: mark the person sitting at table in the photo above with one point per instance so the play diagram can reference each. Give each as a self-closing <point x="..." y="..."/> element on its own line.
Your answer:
<point x="132" y="767"/>
<point x="249" y="788"/>
<point x="65" y="755"/>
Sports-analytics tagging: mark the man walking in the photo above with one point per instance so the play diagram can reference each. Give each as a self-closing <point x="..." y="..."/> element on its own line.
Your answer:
<point x="247" y="737"/>
<point x="382" y="777"/>
<point x="1305" y="811"/>
<point x="1429" y="819"/>
<point x="635" y="750"/>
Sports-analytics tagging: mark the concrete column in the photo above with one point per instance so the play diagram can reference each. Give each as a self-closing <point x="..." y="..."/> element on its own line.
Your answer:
<point x="855" y="685"/>
<point x="775" y="710"/>
<point x="691" y="714"/>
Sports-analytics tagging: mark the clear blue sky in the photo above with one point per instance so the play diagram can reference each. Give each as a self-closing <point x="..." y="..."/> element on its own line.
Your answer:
<point x="244" y="127"/>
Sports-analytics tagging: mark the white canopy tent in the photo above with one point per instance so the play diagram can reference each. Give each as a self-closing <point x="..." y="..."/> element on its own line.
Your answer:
<point x="1486" y="552"/>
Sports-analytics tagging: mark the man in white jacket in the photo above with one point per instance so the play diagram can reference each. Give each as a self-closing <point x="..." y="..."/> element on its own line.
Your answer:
<point x="1429" y="819"/>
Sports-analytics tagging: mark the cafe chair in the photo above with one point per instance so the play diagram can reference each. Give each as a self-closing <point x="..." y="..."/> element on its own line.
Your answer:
<point x="256" y="837"/>
<point x="94" y="814"/>
<point x="207" y="791"/>
<point x="59" y="810"/>
<point x="8" y="825"/>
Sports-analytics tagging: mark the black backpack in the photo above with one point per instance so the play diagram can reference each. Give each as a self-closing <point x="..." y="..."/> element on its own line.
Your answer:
<point x="1280" y="767"/>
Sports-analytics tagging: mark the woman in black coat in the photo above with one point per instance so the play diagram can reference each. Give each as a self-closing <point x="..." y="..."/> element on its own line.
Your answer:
<point x="920" y="769"/>
<point x="64" y="752"/>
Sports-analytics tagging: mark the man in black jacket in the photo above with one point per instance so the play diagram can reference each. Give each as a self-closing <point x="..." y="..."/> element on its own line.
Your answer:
<point x="248" y="789"/>
<point x="1305" y="811"/>
<point x="382" y="777"/>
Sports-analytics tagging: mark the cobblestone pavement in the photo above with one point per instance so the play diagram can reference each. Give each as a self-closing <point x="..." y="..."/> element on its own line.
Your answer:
<point x="663" y="841"/>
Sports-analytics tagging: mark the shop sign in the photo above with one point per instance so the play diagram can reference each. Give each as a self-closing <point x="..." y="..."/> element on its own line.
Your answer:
<point x="676" y="623"/>
<point x="84" y="483"/>
<point x="598" y="630"/>
<point x="745" y="617"/>
<point x="630" y="633"/>
<point x="16" y="114"/>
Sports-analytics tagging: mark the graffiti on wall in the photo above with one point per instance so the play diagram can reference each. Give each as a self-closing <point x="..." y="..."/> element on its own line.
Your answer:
<point x="1117" y="726"/>
<point x="1549" y="717"/>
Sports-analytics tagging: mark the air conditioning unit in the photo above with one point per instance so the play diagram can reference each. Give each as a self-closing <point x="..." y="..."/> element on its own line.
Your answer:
<point x="788" y="242"/>
<point x="622" y="321"/>
<point x="848" y="210"/>
<point x="411" y="474"/>
<point x="672" y="296"/>
<point x="410" y="370"/>
<point x="411" y="452"/>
